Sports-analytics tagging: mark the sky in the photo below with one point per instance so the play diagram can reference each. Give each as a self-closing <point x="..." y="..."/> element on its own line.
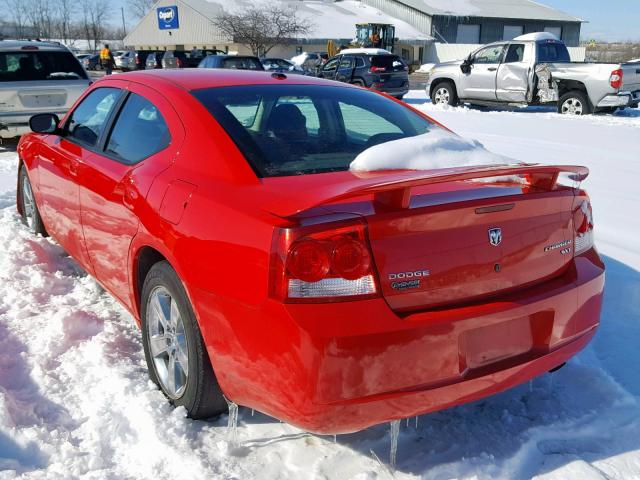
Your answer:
<point x="607" y="20"/>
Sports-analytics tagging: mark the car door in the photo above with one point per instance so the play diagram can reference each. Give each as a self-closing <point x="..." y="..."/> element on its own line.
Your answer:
<point x="329" y="68"/>
<point x="344" y="73"/>
<point x="480" y="82"/>
<point x="142" y="141"/>
<point x="59" y="164"/>
<point x="512" y="82"/>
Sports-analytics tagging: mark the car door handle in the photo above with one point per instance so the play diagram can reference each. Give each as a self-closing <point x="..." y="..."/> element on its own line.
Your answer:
<point x="492" y="69"/>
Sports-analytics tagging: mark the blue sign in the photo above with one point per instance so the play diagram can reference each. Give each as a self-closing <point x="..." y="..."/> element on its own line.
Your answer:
<point x="168" y="17"/>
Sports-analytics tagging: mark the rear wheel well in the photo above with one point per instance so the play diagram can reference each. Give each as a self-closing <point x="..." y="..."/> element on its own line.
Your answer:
<point x="147" y="257"/>
<point x="565" y="86"/>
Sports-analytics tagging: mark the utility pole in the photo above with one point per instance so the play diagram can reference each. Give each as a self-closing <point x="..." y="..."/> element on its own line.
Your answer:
<point x="124" y="26"/>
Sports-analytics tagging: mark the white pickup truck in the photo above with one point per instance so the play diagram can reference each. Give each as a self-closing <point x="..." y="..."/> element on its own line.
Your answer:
<point x="535" y="69"/>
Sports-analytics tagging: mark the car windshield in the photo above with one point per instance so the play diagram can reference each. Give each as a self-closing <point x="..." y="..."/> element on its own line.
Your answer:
<point x="39" y="65"/>
<point x="286" y="130"/>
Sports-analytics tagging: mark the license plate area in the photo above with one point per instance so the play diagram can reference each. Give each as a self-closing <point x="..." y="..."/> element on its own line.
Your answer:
<point x="494" y="343"/>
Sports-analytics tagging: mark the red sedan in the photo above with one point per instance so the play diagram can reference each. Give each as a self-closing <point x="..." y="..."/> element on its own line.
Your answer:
<point x="218" y="207"/>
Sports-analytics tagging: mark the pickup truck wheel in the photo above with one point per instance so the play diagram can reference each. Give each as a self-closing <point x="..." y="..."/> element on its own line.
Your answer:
<point x="28" y="207"/>
<point x="574" y="103"/>
<point x="175" y="352"/>
<point x="444" y="94"/>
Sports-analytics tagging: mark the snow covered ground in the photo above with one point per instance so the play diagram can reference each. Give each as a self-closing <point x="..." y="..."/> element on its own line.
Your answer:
<point x="75" y="401"/>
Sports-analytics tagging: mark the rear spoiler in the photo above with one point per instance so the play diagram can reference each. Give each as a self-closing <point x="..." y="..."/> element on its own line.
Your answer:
<point x="392" y="190"/>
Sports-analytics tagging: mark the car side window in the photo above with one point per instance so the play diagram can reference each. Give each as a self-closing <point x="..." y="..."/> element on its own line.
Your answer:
<point x="515" y="54"/>
<point x="331" y="65"/>
<point x="139" y="131"/>
<point x="359" y="62"/>
<point x="346" y="62"/>
<point x="489" y="55"/>
<point x="88" y="120"/>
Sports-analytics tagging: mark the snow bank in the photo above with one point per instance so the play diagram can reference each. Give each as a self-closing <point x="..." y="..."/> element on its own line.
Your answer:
<point x="299" y="59"/>
<point x="432" y="150"/>
<point x="426" y="68"/>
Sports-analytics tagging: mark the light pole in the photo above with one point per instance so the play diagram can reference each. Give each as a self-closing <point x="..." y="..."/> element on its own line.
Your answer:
<point x="124" y="26"/>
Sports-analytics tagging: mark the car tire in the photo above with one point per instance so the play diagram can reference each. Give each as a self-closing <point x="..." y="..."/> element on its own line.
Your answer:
<point x="171" y="337"/>
<point x="359" y="83"/>
<point x="574" y="102"/>
<point x="399" y="97"/>
<point x="28" y="207"/>
<point x="444" y="93"/>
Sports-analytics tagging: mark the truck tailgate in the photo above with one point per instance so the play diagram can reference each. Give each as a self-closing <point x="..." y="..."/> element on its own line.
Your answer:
<point x="630" y="77"/>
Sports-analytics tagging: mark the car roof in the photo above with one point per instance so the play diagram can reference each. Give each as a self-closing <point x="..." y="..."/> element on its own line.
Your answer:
<point x="197" y="78"/>
<point x="13" y="45"/>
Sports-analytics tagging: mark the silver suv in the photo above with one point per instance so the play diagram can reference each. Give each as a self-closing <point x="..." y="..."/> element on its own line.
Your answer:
<point x="36" y="77"/>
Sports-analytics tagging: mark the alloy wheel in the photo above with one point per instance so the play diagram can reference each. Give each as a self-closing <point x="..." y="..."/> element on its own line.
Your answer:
<point x="28" y="203"/>
<point x="167" y="342"/>
<point x="442" y="96"/>
<point x="572" y="106"/>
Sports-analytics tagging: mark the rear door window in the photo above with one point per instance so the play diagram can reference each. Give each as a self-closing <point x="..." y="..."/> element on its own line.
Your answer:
<point x="39" y="65"/>
<point x="362" y="124"/>
<point x="88" y="121"/>
<point x="139" y="131"/>
<point x="515" y="54"/>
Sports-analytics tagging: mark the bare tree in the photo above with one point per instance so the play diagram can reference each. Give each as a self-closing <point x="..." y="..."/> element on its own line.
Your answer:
<point x="261" y="28"/>
<point x="94" y="21"/>
<point x="64" y="19"/>
<point x="18" y="12"/>
<point x="40" y="15"/>
<point x="141" y="7"/>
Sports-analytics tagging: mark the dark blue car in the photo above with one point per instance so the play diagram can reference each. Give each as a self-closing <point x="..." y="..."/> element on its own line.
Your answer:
<point x="237" y="62"/>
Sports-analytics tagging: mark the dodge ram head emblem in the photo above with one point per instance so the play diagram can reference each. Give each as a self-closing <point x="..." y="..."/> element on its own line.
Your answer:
<point x="495" y="236"/>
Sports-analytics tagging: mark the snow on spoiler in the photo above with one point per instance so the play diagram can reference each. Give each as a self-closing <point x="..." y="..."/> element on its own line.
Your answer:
<point x="392" y="190"/>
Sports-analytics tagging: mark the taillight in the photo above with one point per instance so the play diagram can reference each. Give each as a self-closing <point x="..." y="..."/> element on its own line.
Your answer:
<point x="322" y="264"/>
<point x="377" y="69"/>
<point x="583" y="226"/>
<point x="616" y="78"/>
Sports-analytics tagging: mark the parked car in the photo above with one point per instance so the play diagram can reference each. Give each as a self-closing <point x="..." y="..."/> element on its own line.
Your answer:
<point x="238" y="62"/>
<point x="140" y="59"/>
<point x="369" y="68"/>
<point x="535" y="69"/>
<point x="281" y="65"/>
<point x="186" y="59"/>
<point x="92" y="62"/>
<point x="36" y="77"/>
<point x="82" y="56"/>
<point x="311" y="288"/>
<point x="154" y="60"/>
<point x="310" y="61"/>
<point x="125" y="60"/>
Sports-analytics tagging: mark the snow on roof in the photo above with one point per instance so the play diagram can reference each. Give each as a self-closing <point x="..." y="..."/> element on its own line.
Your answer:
<point x="520" y="9"/>
<point x="330" y="19"/>
<point x="431" y="151"/>
<point x="536" y="36"/>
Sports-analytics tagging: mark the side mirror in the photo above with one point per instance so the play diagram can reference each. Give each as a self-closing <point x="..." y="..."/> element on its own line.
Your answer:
<point x="466" y="65"/>
<point x="44" y="123"/>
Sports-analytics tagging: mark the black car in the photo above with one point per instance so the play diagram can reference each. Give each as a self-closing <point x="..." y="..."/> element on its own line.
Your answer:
<point x="384" y="72"/>
<point x="238" y="62"/>
<point x="141" y="58"/>
<point x="187" y="58"/>
<point x="92" y="62"/>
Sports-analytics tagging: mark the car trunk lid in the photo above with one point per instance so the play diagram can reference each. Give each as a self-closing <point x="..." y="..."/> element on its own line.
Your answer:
<point x="450" y="236"/>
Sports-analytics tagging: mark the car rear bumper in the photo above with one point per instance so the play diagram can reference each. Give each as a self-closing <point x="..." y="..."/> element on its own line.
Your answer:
<point x="622" y="99"/>
<point x="342" y="367"/>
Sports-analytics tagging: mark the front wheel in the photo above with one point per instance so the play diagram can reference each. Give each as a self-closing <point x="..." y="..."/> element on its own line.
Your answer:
<point x="176" y="356"/>
<point x="574" y="103"/>
<point x="444" y="94"/>
<point x="28" y="207"/>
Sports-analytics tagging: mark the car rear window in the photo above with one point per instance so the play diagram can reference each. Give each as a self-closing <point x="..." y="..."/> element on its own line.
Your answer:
<point x="242" y="63"/>
<point x="286" y="130"/>
<point x="39" y="65"/>
<point x="552" y="51"/>
<point x="391" y="63"/>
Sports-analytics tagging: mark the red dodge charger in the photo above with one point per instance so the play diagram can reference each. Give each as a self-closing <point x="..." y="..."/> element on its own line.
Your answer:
<point x="219" y="208"/>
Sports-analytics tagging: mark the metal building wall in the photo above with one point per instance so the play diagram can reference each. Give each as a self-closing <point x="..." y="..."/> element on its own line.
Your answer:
<point x="414" y="17"/>
<point x="492" y="29"/>
<point x="195" y="30"/>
